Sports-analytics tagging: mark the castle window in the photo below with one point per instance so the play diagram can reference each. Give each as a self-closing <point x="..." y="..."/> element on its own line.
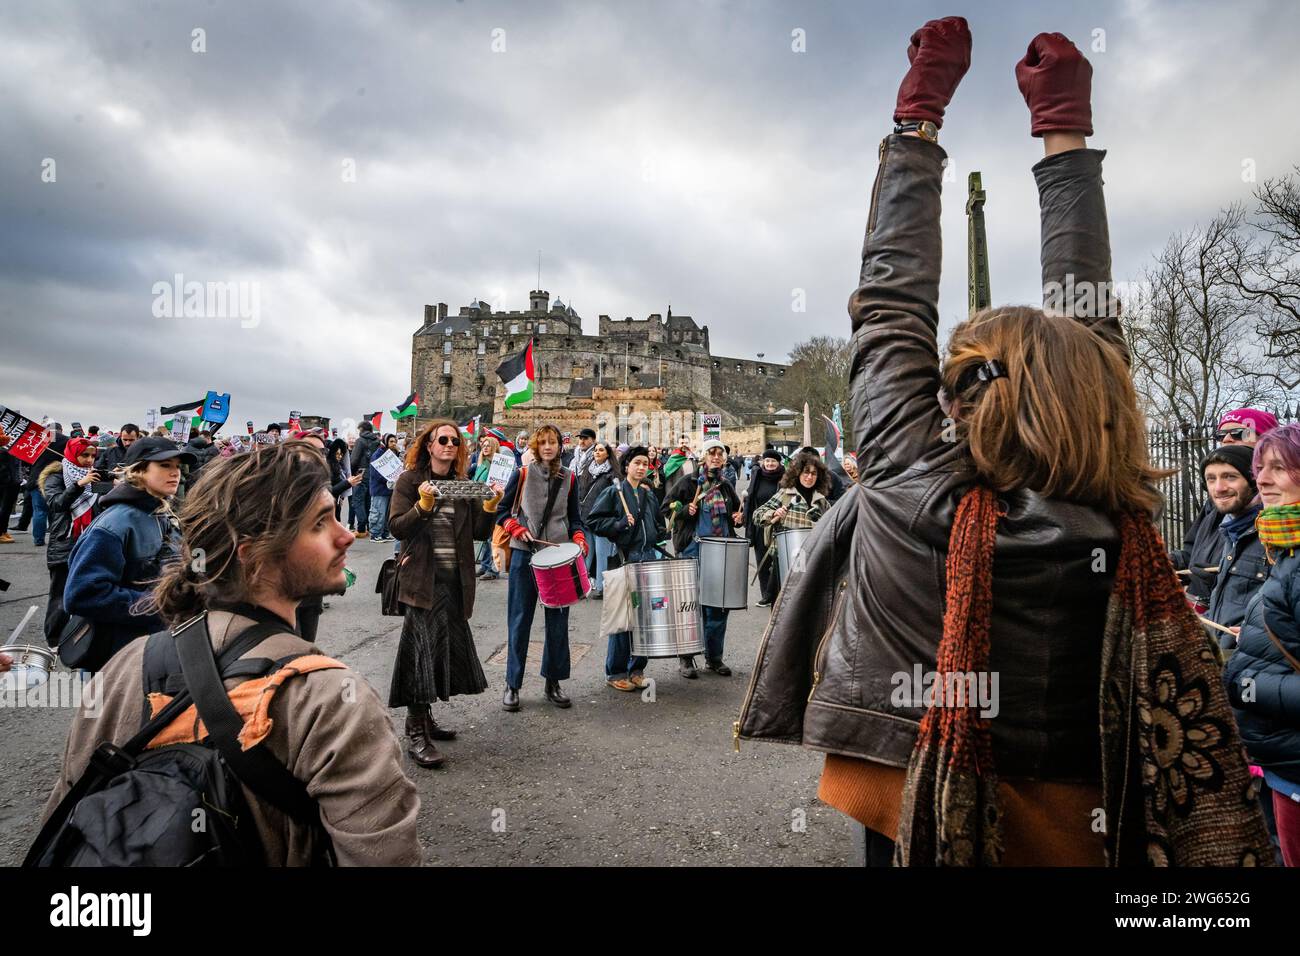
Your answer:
<point x="737" y="366"/>
<point x="679" y="353"/>
<point x="482" y="348"/>
<point x="541" y="327"/>
<point x="717" y="364"/>
<point x="514" y="328"/>
<point x="478" y="367"/>
<point x="529" y="325"/>
<point x="761" y="370"/>
<point x="446" y="347"/>
<point x="568" y="343"/>
<point x="654" y="350"/>
<point x="446" y="368"/>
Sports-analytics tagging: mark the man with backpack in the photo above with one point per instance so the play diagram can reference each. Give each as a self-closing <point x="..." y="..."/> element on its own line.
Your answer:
<point x="307" y="752"/>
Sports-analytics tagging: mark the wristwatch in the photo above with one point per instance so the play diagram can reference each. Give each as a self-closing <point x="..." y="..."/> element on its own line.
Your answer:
<point x="924" y="128"/>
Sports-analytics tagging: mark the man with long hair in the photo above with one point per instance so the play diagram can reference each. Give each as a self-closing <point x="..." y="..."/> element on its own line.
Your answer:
<point x="260" y="537"/>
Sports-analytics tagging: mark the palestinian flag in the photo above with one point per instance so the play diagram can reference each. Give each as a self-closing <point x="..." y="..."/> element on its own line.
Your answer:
<point x="470" y="429"/>
<point x="183" y="407"/>
<point x="408" y="408"/>
<point x="501" y="438"/>
<point x="518" y="374"/>
<point x="673" y="464"/>
<point x="375" y="420"/>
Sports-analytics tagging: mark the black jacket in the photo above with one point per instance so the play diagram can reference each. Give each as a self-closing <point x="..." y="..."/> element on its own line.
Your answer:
<point x="869" y="604"/>
<point x="608" y="518"/>
<point x="362" y="451"/>
<point x="203" y="453"/>
<point x="1242" y="571"/>
<point x="1201" y="546"/>
<point x="680" y="522"/>
<point x="1263" y="687"/>
<point x="590" y="488"/>
<point x="59" y="502"/>
<point x="111" y="458"/>
<point x="762" y="486"/>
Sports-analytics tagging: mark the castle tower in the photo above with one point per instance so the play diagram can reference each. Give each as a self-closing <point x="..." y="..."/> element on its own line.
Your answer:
<point x="539" y="300"/>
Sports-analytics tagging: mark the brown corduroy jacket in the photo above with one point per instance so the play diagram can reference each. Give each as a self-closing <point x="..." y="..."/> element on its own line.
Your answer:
<point x="329" y="728"/>
<point x="411" y="526"/>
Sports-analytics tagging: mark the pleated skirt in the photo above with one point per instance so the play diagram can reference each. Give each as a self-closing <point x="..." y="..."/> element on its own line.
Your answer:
<point x="436" y="657"/>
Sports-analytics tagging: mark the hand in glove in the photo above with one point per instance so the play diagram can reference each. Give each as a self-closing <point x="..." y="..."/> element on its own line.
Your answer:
<point x="940" y="57"/>
<point x="1056" y="82"/>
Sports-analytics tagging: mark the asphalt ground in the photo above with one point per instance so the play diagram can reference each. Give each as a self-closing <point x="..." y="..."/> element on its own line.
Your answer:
<point x="618" y="779"/>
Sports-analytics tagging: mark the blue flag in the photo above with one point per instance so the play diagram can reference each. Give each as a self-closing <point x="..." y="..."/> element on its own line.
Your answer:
<point x="216" y="408"/>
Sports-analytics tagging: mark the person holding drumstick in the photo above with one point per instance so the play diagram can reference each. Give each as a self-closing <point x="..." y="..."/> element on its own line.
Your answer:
<point x="627" y="514"/>
<point x="800" y="501"/>
<point x="706" y="506"/>
<point x="544" y="511"/>
<point x="436" y="657"/>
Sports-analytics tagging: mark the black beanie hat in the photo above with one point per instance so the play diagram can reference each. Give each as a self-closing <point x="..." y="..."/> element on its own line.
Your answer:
<point x="626" y="458"/>
<point x="1238" y="456"/>
<point x="771" y="453"/>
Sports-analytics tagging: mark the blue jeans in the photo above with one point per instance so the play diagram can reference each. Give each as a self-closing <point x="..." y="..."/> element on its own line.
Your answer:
<point x="521" y="606"/>
<point x="40" y="517"/>
<point x="599" y="560"/>
<point x="485" y="563"/>
<point x="359" y="506"/>
<point x="379" y="515"/>
<point x="715" y="618"/>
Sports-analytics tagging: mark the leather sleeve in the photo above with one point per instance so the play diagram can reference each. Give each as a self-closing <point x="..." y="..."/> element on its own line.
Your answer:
<point x="894" y="382"/>
<point x="405" y="519"/>
<point x="1076" y="242"/>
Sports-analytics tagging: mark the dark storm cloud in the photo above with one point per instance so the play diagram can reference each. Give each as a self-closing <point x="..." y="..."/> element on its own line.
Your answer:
<point x="670" y="151"/>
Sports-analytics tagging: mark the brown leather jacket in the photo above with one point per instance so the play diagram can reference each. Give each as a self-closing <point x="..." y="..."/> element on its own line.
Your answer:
<point x="411" y="526"/>
<point x="849" y="632"/>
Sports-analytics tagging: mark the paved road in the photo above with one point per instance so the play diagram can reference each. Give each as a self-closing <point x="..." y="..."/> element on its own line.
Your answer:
<point x="614" y="780"/>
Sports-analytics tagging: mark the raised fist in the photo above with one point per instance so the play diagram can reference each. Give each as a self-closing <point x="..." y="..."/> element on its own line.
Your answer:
<point x="1056" y="81"/>
<point x="940" y="57"/>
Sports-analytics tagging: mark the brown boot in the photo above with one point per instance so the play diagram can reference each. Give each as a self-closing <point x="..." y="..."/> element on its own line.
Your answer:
<point x="421" y="748"/>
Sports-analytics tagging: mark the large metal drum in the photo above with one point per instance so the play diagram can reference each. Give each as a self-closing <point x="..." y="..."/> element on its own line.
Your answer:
<point x="788" y="544"/>
<point x="666" y="604"/>
<point x="724" y="573"/>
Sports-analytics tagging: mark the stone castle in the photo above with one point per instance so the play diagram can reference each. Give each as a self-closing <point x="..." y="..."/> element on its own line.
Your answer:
<point x="630" y="366"/>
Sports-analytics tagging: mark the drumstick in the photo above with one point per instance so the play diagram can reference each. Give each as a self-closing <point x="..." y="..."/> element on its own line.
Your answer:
<point x="1214" y="569"/>
<point x="1218" y="627"/>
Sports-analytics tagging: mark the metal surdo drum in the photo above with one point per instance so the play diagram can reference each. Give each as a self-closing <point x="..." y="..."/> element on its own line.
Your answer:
<point x="561" y="575"/>
<point x="666" y="605"/>
<point x="788" y="544"/>
<point x="724" y="573"/>
<point x="32" y="663"/>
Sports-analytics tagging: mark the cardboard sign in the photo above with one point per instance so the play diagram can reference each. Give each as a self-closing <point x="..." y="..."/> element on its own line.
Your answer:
<point x="388" y="465"/>
<point x="237" y="444"/>
<point x="294" y="422"/>
<point x="263" y="438"/>
<point x="503" y="466"/>
<point x="711" y="425"/>
<point x="181" y="428"/>
<point x="251" y="429"/>
<point x="29" y="437"/>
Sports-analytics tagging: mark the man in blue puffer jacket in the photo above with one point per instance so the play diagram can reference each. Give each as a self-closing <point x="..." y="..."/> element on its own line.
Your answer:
<point x="115" y="561"/>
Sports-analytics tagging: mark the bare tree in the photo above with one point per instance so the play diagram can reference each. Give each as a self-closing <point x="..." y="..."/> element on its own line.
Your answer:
<point x="818" y="375"/>
<point x="1269" y="276"/>
<point x="1191" y="330"/>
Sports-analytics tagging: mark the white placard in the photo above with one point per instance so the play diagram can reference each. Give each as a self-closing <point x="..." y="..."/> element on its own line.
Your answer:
<point x="181" y="425"/>
<point x="503" y="466"/>
<point x="388" y="465"/>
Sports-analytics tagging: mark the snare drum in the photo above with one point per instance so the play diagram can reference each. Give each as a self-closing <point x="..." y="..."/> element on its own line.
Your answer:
<point x="561" y="575"/>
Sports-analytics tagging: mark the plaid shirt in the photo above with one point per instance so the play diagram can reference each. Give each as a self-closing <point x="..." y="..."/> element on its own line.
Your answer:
<point x="799" y="514"/>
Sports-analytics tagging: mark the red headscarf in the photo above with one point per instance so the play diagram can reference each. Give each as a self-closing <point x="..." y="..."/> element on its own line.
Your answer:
<point x="75" y="446"/>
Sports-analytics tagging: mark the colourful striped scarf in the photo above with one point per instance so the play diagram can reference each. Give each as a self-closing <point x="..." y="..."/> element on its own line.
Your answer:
<point x="1279" y="527"/>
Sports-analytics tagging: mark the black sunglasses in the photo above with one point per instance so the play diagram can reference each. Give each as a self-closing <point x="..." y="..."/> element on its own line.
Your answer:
<point x="447" y="439"/>
<point x="1236" y="434"/>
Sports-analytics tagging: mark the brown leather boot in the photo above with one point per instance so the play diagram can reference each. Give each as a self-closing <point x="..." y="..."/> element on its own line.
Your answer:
<point x="421" y="748"/>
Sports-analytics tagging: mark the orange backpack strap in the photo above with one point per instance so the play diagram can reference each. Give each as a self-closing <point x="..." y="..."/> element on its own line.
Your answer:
<point x="251" y="699"/>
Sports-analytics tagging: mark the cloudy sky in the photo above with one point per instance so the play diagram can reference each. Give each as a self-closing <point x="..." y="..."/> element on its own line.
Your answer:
<point x="348" y="162"/>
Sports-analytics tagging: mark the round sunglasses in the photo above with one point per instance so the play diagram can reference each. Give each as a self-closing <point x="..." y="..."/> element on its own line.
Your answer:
<point x="447" y="439"/>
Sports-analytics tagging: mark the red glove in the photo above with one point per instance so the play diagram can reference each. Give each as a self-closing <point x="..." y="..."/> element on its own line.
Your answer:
<point x="940" y="57"/>
<point x="515" y="528"/>
<point x="1056" y="81"/>
<point x="580" y="540"/>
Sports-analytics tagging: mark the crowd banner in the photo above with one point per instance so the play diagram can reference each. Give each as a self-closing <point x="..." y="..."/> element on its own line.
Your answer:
<point x="388" y="465"/>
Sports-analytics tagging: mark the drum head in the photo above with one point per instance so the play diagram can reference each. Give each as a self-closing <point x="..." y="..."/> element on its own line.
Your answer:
<point x="556" y="555"/>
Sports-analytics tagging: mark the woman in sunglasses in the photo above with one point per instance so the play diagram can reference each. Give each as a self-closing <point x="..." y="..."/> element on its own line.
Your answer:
<point x="436" y="657"/>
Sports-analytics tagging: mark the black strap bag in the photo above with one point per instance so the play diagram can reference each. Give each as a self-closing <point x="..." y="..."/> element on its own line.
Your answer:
<point x="182" y="804"/>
